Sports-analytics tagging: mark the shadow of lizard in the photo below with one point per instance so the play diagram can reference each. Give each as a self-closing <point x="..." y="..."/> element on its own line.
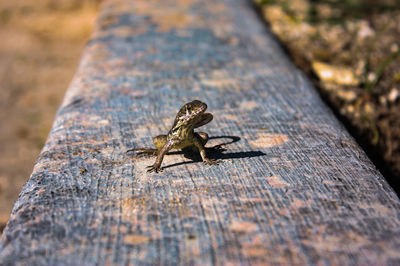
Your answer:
<point x="215" y="152"/>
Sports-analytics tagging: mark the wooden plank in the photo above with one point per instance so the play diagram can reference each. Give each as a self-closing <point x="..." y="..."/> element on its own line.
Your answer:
<point x="293" y="188"/>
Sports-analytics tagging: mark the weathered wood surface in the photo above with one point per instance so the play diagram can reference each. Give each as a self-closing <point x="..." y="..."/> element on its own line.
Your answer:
<point x="294" y="187"/>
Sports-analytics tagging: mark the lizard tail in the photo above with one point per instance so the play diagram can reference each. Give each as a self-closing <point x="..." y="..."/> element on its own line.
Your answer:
<point x="143" y="151"/>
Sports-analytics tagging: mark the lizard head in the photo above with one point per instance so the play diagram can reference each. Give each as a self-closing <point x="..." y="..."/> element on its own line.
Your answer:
<point x="190" y="114"/>
<point x="191" y="111"/>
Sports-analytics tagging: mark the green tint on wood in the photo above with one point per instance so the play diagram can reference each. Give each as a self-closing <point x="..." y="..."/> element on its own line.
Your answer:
<point x="293" y="186"/>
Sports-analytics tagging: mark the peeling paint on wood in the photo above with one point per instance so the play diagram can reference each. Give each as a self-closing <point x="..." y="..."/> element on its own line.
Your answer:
<point x="293" y="188"/>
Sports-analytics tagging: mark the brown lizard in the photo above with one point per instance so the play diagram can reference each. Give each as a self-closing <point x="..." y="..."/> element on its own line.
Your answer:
<point x="192" y="115"/>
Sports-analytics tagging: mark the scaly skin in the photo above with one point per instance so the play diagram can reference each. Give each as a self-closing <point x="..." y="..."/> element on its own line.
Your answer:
<point x="182" y="135"/>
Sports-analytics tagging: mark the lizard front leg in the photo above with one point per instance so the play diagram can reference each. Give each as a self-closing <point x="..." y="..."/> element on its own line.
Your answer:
<point x="156" y="167"/>
<point x="198" y="142"/>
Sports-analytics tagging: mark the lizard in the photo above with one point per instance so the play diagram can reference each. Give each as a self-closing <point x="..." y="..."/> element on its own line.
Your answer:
<point x="181" y="135"/>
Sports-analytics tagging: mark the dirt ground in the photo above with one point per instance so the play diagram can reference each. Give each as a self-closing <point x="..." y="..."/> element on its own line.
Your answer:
<point x="41" y="43"/>
<point x="351" y="50"/>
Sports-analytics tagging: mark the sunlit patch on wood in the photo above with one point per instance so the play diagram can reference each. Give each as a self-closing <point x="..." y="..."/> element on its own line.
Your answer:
<point x="230" y="117"/>
<point x="243" y="227"/>
<point x="248" y="105"/>
<point x="136" y="239"/>
<point x="268" y="140"/>
<point x="220" y="79"/>
<point x="219" y="83"/>
<point x="277" y="182"/>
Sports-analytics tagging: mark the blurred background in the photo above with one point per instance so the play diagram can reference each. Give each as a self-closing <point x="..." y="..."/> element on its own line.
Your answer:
<point x="349" y="49"/>
<point x="40" y="47"/>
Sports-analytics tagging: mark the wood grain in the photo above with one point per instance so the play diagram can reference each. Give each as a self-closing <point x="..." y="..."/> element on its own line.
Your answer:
<point x="293" y="188"/>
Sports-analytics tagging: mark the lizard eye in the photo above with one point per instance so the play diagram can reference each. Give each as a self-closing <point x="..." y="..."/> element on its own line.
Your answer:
<point x="189" y="109"/>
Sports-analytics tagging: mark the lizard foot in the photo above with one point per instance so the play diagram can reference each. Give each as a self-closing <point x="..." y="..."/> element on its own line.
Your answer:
<point x="219" y="147"/>
<point x="154" y="168"/>
<point x="211" y="161"/>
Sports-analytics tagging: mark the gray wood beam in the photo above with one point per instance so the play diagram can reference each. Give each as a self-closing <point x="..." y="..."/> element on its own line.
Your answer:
<point x="293" y="187"/>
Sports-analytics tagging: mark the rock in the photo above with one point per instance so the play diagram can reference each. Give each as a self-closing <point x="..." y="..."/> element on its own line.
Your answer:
<point x="393" y="95"/>
<point x="368" y="110"/>
<point x="347" y="95"/>
<point x="336" y="74"/>
<point x="324" y="11"/>
<point x="350" y="109"/>
<point x="394" y="48"/>
<point x="364" y="31"/>
<point x="371" y="77"/>
<point x="383" y="100"/>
